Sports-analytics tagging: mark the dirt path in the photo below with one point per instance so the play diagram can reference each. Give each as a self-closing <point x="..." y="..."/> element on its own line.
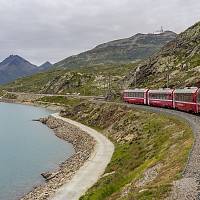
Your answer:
<point x="92" y="170"/>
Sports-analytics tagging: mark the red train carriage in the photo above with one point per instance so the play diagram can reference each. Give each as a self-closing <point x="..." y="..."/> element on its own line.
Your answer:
<point x="186" y="99"/>
<point x="161" y="98"/>
<point x="135" y="96"/>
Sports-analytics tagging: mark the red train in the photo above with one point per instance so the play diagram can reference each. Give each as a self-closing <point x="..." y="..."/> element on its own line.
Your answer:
<point x="187" y="99"/>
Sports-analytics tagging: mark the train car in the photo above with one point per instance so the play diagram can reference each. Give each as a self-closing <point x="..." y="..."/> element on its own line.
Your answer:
<point x="161" y="98"/>
<point x="135" y="96"/>
<point x="186" y="99"/>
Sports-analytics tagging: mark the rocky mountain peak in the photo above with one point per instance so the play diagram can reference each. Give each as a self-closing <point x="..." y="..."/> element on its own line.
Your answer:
<point x="15" y="66"/>
<point x="16" y="61"/>
<point x="12" y="59"/>
<point x="45" y="66"/>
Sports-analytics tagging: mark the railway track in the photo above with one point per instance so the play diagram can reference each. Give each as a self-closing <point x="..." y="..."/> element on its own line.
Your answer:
<point x="188" y="187"/>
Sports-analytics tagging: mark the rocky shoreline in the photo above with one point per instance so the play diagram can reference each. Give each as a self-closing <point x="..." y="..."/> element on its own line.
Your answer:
<point x="83" y="144"/>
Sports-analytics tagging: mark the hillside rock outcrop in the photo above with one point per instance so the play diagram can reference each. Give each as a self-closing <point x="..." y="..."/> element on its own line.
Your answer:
<point x="179" y="59"/>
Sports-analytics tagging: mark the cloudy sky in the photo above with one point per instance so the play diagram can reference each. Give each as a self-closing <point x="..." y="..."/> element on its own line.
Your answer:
<point x="41" y="30"/>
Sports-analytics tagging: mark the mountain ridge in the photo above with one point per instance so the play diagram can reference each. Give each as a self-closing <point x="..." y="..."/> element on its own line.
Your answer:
<point x="14" y="67"/>
<point x="118" y="51"/>
<point x="89" y="79"/>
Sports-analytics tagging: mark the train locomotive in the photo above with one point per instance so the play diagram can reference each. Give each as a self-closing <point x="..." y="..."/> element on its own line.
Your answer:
<point x="187" y="99"/>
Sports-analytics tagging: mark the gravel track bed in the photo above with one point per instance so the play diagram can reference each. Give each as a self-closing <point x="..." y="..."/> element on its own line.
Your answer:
<point x="188" y="187"/>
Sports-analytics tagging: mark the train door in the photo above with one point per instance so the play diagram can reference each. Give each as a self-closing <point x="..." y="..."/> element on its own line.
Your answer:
<point x="148" y="101"/>
<point x="173" y="99"/>
<point x="146" y="97"/>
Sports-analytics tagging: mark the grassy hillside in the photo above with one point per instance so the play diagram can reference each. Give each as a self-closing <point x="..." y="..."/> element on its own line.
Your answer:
<point x="86" y="81"/>
<point x="33" y="83"/>
<point x="60" y="101"/>
<point x="126" y="50"/>
<point x="90" y="72"/>
<point x="1" y="93"/>
<point x="151" y="151"/>
<point x="180" y="59"/>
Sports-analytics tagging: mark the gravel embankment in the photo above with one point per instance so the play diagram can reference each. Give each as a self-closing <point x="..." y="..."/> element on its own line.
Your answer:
<point x="188" y="187"/>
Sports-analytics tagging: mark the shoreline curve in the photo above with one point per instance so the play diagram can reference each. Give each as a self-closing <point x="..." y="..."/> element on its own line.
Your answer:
<point x="92" y="169"/>
<point x="85" y="175"/>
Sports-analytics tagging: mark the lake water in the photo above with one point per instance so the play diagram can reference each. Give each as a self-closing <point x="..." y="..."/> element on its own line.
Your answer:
<point x="27" y="149"/>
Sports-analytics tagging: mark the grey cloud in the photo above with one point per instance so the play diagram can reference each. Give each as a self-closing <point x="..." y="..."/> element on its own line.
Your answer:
<point x="52" y="30"/>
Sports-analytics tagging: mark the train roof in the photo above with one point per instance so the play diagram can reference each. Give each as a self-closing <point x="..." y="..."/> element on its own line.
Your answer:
<point x="136" y="90"/>
<point x="186" y="90"/>
<point x="162" y="90"/>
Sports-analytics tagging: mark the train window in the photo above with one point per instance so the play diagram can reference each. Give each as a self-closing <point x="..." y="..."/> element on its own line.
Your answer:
<point x="187" y="97"/>
<point x="136" y="94"/>
<point x="159" y="96"/>
<point x="140" y="94"/>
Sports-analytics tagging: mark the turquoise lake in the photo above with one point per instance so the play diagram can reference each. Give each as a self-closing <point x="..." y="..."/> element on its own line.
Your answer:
<point x="27" y="148"/>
